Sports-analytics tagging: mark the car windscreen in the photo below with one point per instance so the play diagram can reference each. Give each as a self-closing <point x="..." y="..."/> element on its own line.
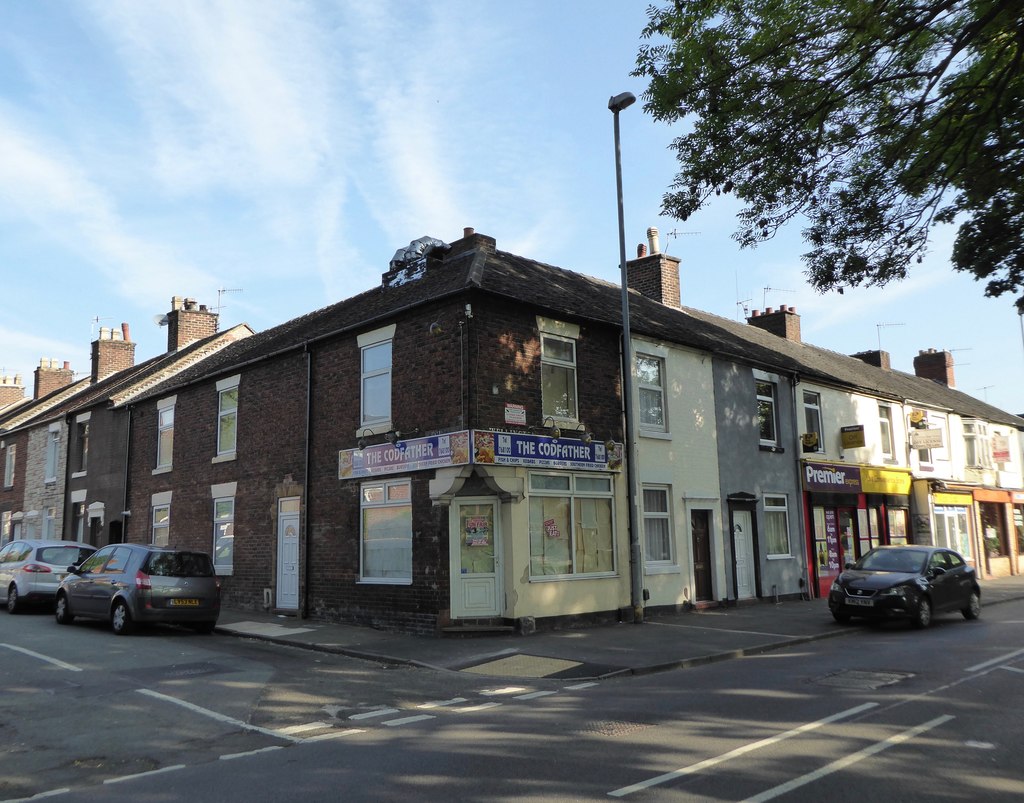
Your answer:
<point x="894" y="560"/>
<point x="63" y="555"/>
<point x="178" y="564"/>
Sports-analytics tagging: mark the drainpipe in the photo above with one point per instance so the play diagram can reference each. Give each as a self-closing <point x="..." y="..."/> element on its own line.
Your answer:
<point x="304" y="524"/>
<point x="125" y="510"/>
<point x="805" y="531"/>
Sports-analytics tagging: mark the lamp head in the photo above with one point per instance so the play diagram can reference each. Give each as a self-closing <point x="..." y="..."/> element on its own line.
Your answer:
<point x="621" y="101"/>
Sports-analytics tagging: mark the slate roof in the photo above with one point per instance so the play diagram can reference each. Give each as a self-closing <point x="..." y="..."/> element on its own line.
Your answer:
<point x="575" y="296"/>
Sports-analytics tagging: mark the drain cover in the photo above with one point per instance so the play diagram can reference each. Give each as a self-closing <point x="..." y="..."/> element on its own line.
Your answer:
<point x="862" y="679"/>
<point x="613" y="728"/>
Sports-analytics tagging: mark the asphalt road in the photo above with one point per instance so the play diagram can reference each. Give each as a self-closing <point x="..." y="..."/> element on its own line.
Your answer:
<point x="174" y="716"/>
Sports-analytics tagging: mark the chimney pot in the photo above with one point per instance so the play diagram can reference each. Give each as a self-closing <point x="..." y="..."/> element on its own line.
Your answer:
<point x="641" y="250"/>
<point x="468" y="231"/>
<point x="652" y="238"/>
<point x="124" y="332"/>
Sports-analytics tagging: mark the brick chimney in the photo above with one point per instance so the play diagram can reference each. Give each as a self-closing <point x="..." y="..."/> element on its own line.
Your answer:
<point x="783" y="323"/>
<point x="655" y="275"/>
<point x="12" y="390"/>
<point x="51" y="376"/>
<point x="936" y="366"/>
<point x="112" y="351"/>
<point x="879" y="359"/>
<point x="188" y="322"/>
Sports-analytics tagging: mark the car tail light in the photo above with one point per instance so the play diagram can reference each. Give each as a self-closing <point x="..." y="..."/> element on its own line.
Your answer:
<point x="36" y="568"/>
<point x="142" y="580"/>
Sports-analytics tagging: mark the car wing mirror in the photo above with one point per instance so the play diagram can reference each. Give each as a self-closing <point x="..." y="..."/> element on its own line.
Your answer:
<point x="937" y="571"/>
<point x="849" y="565"/>
<point x="74" y="570"/>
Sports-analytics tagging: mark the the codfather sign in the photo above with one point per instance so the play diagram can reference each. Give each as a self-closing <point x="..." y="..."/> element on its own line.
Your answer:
<point x="828" y="477"/>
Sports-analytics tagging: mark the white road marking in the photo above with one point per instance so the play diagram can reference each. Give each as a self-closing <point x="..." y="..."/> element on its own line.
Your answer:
<point x="1013" y="669"/>
<point x="309" y="726"/>
<point x="577" y="686"/>
<point x="1001" y="659"/>
<point x="41" y="795"/>
<point x="739" y="751"/>
<point x="846" y="761"/>
<point x="724" y="630"/>
<point x="469" y="709"/>
<point x="533" y="695"/>
<point x="323" y="737"/>
<point x="498" y="692"/>
<point x="206" y="712"/>
<point x="394" y="723"/>
<point x="230" y="756"/>
<point x="442" y="703"/>
<point x="380" y="712"/>
<point x="41" y="657"/>
<point x="122" y="778"/>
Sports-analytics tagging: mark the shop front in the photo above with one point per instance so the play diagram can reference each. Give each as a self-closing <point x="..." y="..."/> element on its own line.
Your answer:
<point x="850" y="509"/>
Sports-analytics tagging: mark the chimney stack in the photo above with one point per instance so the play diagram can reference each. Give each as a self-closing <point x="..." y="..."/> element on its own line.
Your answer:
<point x="111" y="352"/>
<point x="50" y="376"/>
<point x="879" y="359"/>
<point x="12" y="390"/>
<point x="655" y="275"/>
<point x="188" y="322"/>
<point x="785" y="323"/>
<point x="936" y="366"/>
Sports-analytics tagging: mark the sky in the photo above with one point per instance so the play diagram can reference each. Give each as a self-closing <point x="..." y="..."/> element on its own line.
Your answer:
<point x="268" y="157"/>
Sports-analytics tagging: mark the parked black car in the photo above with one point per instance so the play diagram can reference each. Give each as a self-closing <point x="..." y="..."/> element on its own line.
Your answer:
<point x="908" y="582"/>
<point x="129" y="584"/>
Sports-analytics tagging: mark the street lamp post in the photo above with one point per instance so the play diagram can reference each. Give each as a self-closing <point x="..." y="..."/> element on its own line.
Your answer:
<point x="616" y="105"/>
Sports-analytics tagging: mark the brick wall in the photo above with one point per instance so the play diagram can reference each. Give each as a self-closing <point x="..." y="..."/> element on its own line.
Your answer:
<point x="51" y="376"/>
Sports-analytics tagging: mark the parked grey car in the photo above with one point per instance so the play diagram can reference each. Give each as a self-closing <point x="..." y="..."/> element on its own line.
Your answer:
<point x="31" y="569"/>
<point x="131" y="584"/>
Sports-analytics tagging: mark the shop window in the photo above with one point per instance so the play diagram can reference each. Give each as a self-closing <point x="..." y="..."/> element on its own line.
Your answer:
<point x="776" y="525"/>
<point x="658" y="542"/>
<point x="650" y="382"/>
<point x="812" y="439"/>
<point x="386" y="532"/>
<point x="898" y="518"/>
<point x="767" y="422"/>
<point x="1018" y="526"/>
<point x="558" y="376"/>
<point x="571" y="525"/>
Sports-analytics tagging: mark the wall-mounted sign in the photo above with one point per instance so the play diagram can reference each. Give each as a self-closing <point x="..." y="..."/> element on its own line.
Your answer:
<point x="415" y="454"/>
<point x="926" y="438"/>
<point x="852" y="437"/>
<point x="520" y="449"/>
<point x="1001" y="448"/>
<point x="515" y="414"/>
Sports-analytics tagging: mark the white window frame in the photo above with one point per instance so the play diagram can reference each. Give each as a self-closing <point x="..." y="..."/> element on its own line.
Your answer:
<point x="652" y="389"/>
<point x="398" y="575"/>
<point x="977" y="444"/>
<point x="10" y="464"/>
<point x="164" y="425"/>
<point x="772" y="401"/>
<point x="812" y="418"/>
<point x="225" y="387"/>
<point x="160" y="518"/>
<point x="574" y="493"/>
<point x="223" y="525"/>
<point x="50" y="523"/>
<point x="885" y="432"/>
<point x="52" y="453"/>
<point x="367" y="342"/>
<point x="650" y="517"/>
<point x="776" y="505"/>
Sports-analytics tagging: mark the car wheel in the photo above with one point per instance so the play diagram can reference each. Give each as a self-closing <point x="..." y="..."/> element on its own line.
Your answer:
<point x="842" y="618"/>
<point x="62" y="613"/>
<point x="121" y="619"/>
<point x="13" y="603"/>
<point x="204" y="627"/>
<point x="923" y="615"/>
<point x="973" y="609"/>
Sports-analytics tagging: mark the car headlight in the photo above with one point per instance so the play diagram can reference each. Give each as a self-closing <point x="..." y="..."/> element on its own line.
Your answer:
<point x="899" y="591"/>
<point x="835" y="587"/>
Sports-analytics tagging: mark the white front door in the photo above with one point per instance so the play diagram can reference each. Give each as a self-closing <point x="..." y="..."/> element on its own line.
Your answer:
<point x="476" y="559"/>
<point x="288" y="554"/>
<point x="743" y="543"/>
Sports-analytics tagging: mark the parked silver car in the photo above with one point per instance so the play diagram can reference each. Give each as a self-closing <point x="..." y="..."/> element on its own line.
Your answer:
<point x="130" y="584"/>
<point x="31" y="569"/>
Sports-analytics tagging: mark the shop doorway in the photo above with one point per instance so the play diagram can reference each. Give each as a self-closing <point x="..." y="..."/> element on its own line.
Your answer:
<point x="476" y="559"/>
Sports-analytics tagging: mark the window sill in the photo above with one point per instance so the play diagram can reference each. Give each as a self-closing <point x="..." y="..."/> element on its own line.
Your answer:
<point x="656" y="434"/>
<point x="79" y="474"/>
<point x="781" y="557"/>
<point x="224" y="458"/>
<point x="558" y="578"/>
<point x="379" y="428"/>
<point x="224" y="571"/>
<point x="773" y="448"/>
<point x="163" y="470"/>
<point x="382" y="581"/>
<point x="667" y="569"/>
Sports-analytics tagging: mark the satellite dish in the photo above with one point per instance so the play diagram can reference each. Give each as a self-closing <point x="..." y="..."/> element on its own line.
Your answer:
<point x="160" y="320"/>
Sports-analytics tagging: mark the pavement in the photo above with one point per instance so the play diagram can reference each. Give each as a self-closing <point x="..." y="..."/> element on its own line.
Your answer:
<point x="661" y="642"/>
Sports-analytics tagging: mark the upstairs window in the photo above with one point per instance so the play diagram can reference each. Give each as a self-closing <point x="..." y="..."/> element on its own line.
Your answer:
<point x="650" y="382"/>
<point x="165" y="433"/>
<point x="81" y="459"/>
<point x="375" y="360"/>
<point x="812" y="422"/>
<point x="766" y="416"/>
<point x="885" y="430"/>
<point x="977" y="445"/>
<point x="558" y="377"/>
<point x="227" y="416"/>
<point x="52" y="453"/>
<point x="10" y="459"/>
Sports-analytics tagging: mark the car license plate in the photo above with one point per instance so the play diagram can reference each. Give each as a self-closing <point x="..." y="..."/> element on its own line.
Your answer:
<point x="184" y="603"/>
<point x="865" y="603"/>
